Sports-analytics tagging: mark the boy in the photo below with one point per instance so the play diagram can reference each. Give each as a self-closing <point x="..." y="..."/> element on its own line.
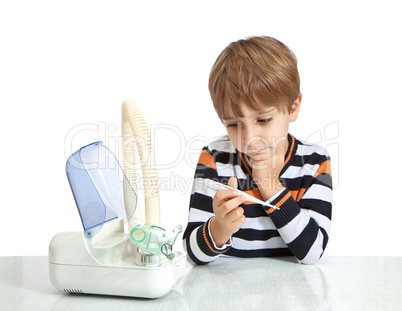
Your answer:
<point x="254" y="86"/>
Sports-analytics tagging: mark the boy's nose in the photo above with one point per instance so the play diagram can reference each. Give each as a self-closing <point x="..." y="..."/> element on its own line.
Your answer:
<point x="250" y="136"/>
<point x="247" y="133"/>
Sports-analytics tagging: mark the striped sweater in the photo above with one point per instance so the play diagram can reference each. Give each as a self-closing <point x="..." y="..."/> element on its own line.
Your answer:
<point x="300" y="227"/>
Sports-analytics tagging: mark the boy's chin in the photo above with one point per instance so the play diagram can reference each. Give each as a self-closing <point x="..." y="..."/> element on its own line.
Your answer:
<point x="259" y="156"/>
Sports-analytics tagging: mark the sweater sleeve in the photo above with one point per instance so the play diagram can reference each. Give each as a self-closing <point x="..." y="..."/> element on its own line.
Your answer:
<point x="304" y="221"/>
<point x="198" y="241"/>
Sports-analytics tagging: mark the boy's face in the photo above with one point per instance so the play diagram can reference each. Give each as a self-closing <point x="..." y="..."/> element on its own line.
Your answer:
<point x="259" y="133"/>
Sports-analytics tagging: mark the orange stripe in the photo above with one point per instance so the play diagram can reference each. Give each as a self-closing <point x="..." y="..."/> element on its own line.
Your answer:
<point x="325" y="167"/>
<point x="245" y="164"/>
<point x="283" y="200"/>
<point x="255" y="193"/>
<point x="298" y="194"/>
<point x="290" y="151"/>
<point x="206" y="240"/>
<point x="279" y="204"/>
<point x="207" y="160"/>
<point x="270" y="210"/>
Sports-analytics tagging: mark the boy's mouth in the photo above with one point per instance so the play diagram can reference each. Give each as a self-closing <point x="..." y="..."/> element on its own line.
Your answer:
<point x="258" y="151"/>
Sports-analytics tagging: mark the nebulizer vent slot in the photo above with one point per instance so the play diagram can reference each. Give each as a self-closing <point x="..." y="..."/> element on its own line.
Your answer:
<point x="73" y="291"/>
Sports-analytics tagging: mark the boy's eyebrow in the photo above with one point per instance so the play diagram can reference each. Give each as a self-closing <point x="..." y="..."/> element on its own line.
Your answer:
<point x="257" y="114"/>
<point x="229" y="119"/>
<point x="266" y="111"/>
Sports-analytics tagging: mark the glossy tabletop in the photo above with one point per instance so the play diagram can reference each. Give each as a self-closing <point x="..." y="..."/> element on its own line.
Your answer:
<point x="334" y="283"/>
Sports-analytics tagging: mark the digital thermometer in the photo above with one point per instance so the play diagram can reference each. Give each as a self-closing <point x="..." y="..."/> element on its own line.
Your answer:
<point x="214" y="185"/>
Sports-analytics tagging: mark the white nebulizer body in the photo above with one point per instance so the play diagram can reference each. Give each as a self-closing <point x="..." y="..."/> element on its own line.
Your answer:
<point x="116" y="254"/>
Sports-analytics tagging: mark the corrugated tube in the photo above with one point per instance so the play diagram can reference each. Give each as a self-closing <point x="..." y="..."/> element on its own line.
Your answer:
<point x="135" y="133"/>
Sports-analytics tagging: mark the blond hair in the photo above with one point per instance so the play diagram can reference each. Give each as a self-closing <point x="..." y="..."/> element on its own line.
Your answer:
<point x="256" y="71"/>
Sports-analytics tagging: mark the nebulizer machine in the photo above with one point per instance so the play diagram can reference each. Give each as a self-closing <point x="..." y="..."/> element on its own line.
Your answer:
<point x="117" y="253"/>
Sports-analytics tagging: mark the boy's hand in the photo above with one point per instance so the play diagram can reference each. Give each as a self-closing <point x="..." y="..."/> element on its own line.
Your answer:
<point x="266" y="172"/>
<point x="229" y="216"/>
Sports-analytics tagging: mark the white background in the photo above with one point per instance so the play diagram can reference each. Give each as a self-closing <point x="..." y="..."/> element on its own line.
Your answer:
<point x="66" y="67"/>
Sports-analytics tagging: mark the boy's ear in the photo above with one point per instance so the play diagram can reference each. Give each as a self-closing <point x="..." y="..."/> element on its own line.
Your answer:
<point x="295" y="108"/>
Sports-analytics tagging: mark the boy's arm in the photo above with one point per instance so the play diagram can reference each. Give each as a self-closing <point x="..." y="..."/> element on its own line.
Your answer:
<point x="304" y="223"/>
<point x="197" y="237"/>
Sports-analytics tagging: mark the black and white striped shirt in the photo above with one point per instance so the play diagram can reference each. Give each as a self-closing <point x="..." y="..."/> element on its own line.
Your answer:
<point x="300" y="227"/>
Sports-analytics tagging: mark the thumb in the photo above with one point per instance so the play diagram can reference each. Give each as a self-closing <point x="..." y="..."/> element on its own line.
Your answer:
<point x="232" y="182"/>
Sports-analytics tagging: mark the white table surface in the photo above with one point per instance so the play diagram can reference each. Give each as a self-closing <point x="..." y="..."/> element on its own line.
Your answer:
<point x="334" y="283"/>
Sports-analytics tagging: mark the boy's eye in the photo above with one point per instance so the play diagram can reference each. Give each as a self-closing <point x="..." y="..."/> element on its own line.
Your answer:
<point x="266" y="120"/>
<point x="233" y="124"/>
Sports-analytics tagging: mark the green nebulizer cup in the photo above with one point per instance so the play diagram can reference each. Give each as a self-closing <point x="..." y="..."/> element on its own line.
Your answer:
<point x="155" y="240"/>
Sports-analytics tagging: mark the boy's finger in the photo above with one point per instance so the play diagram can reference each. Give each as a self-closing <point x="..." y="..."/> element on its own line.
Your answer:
<point x="225" y="195"/>
<point x="232" y="182"/>
<point x="233" y="203"/>
<point x="235" y="214"/>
